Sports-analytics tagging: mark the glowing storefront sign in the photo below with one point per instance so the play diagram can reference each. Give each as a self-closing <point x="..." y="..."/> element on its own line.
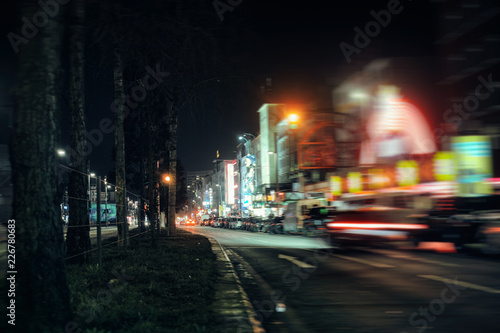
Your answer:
<point x="407" y="173"/>
<point x="377" y="179"/>
<point x="444" y="166"/>
<point x="474" y="165"/>
<point x="336" y="185"/>
<point x="354" y="182"/>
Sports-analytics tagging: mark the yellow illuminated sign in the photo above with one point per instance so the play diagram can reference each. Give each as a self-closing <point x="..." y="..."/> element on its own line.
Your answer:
<point x="336" y="185"/>
<point x="444" y="166"/>
<point x="407" y="173"/>
<point x="354" y="182"/>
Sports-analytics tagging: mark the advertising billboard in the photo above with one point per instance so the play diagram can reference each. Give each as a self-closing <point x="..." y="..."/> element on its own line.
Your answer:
<point x="230" y="184"/>
<point x="111" y="213"/>
<point x="248" y="179"/>
<point x="473" y="164"/>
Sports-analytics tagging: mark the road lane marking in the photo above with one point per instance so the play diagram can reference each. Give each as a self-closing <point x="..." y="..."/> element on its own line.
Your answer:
<point x="362" y="261"/>
<point x="295" y="261"/>
<point x="408" y="257"/>
<point x="460" y="283"/>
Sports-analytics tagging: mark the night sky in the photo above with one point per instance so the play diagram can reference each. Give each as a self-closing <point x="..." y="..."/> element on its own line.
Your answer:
<point x="294" y="43"/>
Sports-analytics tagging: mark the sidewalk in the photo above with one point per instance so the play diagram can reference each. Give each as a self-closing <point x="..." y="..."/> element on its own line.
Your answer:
<point x="232" y="304"/>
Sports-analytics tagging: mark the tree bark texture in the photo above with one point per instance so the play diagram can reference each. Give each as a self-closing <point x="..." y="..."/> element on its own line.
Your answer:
<point x="151" y="189"/>
<point x="77" y="239"/>
<point x="42" y="302"/>
<point x="119" y="108"/>
<point x="172" y="187"/>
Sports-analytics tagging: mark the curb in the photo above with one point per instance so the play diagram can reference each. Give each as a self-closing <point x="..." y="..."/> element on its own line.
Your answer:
<point x="232" y="305"/>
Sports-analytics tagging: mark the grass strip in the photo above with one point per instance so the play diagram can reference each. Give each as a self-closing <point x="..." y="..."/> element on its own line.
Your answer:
<point x="167" y="289"/>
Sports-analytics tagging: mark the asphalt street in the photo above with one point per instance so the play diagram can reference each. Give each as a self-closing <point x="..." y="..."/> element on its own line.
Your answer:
<point x="299" y="284"/>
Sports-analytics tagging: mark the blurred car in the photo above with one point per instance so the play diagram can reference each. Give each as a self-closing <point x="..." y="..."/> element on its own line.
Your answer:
<point x="230" y="223"/>
<point x="276" y="226"/>
<point x="255" y="224"/>
<point x="315" y="224"/>
<point x="247" y="224"/>
<point x="237" y="223"/>
<point x="190" y="222"/>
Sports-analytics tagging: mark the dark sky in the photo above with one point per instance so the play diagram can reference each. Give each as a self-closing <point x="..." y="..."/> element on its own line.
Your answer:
<point x="294" y="43"/>
<point x="298" y="47"/>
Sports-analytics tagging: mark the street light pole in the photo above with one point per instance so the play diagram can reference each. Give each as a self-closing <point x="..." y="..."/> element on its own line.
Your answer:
<point x="106" y="202"/>
<point x="90" y="195"/>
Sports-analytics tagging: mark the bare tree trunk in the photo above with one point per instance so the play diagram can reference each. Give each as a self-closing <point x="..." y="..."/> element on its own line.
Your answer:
<point x="172" y="187"/>
<point x="119" y="108"/>
<point x="142" y="202"/>
<point x="42" y="295"/>
<point x="151" y="189"/>
<point x="77" y="240"/>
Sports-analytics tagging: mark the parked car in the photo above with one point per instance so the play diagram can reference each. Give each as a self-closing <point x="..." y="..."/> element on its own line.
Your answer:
<point x="297" y="211"/>
<point x="237" y="223"/>
<point x="255" y="224"/>
<point x="247" y="224"/>
<point x="230" y="223"/>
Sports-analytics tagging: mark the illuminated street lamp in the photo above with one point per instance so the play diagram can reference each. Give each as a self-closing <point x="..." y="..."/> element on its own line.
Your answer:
<point x="61" y="152"/>
<point x="293" y="120"/>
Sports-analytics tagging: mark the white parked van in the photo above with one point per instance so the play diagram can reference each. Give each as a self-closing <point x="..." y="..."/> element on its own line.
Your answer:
<point x="297" y="211"/>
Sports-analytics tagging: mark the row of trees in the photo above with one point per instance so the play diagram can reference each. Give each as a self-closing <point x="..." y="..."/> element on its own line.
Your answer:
<point x="169" y="45"/>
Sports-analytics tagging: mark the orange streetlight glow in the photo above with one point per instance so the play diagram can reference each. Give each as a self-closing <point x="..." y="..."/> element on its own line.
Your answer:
<point x="167" y="178"/>
<point x="293" y="118"/>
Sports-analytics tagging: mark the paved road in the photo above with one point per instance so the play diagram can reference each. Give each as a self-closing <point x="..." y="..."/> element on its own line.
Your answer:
<point x="362" y="289"/>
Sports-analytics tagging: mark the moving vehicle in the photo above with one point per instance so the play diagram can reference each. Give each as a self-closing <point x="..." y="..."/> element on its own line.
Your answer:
<point x="190" y="222"/>
<point x="315" y="225"/>
<point x="378" y="218"/>
<point x="297" y="211"/>
<point x="472" y="222"/>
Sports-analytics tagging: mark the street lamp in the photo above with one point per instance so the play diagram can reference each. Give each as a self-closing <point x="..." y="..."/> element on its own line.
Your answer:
<point x="293" y="120"/>
<point x="91" y="175"/>
<point x="106" y="186"/>
<point x="249" y="134"/>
